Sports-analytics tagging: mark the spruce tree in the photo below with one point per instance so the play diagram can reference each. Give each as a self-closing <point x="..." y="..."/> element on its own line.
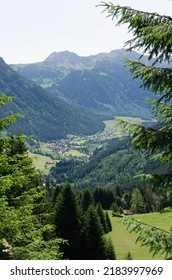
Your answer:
<point x="110" y="252"/>
<point x="25" y="228"/>
<point x="102" y="218"/>
<point x="86" y="200"/>
<point x="95" y="246"/>
<point x="137" y="201"/>
<point x="108" y="222"/>
<point x="68" y="222"/>
<point x="25" y="231"/>
<point x="151" y="36"/>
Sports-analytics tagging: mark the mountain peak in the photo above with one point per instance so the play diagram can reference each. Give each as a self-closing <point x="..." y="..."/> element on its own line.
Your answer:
<point x="63" y="57"/>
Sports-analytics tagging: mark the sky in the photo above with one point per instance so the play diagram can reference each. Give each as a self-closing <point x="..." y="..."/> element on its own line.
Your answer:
<point x="30" y="30"/>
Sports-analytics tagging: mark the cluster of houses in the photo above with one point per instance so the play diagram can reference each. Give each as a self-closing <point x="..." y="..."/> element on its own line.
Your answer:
<point x="97" y="136"/>
<point x="62" y="147"/>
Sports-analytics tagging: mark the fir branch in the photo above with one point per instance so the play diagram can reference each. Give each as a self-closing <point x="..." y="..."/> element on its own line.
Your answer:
<point x="158" y="240"/>
<point x="157" y="180"/>
<point x="146" y="138"/>
<point x="156" y="79"/>
<point x="151" y="31"/>
<point x="5" y="122"/>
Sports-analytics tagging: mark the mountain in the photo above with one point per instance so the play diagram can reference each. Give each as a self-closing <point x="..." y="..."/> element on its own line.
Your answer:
<point x="98" y="82"/>
<point x="46" y="117"/>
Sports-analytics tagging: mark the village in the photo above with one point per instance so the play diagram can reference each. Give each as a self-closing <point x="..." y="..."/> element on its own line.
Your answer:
<point x="75" y="143"/>
<point x="62" y="147"/>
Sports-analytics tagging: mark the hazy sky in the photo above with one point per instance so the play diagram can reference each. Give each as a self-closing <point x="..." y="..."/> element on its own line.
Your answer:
<point x="30" y="30"/>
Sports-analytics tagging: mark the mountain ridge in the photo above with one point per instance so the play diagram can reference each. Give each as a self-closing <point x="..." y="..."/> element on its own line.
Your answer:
<point x="46" y="117"/>
<point x="97" y="82"/>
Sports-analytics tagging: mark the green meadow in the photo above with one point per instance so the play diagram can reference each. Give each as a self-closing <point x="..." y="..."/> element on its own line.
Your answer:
<point x="118" y="130"/>
<point x="125" y="242"/>
<point x="40" y="162"/>
<point x="75" y="153"/>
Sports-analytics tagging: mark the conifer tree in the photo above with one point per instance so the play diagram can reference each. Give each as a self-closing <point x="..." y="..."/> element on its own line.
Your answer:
<point x="137" y="201"/>
<point x="102" y="218"/>
<point x="68" y="221"/>
<point x="151" y="36"/>
<point x="87" y="199"/>
<point x="95" y="247"/>
<point x="108" y="222"/>
<point x="110" y="252"/>
<point x="25" y="231"/>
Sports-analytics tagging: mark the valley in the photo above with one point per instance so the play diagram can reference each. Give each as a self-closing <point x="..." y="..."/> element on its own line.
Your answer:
<point x="82" y="147"/>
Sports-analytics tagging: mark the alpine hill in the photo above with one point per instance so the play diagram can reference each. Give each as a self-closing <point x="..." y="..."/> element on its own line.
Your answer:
<point x="46" y="117"/>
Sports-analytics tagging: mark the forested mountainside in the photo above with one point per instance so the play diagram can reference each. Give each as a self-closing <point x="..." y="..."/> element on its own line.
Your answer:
<point x="115" y="164"/>
<point x="46" y="117"/>
<point x="98" y="82"/>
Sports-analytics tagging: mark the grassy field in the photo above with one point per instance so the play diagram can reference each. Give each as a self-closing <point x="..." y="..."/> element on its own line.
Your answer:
<point x="113" y="124"/>
<point x="39" y="161"/>
<point x="124" y="241"/>
<point x="75" y="153"/>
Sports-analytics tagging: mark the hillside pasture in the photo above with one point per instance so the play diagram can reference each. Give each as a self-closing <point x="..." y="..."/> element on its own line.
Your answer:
<point x="124" y="242"/>
<point x="113" y="125"/>
<point x="40" y="162"/>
